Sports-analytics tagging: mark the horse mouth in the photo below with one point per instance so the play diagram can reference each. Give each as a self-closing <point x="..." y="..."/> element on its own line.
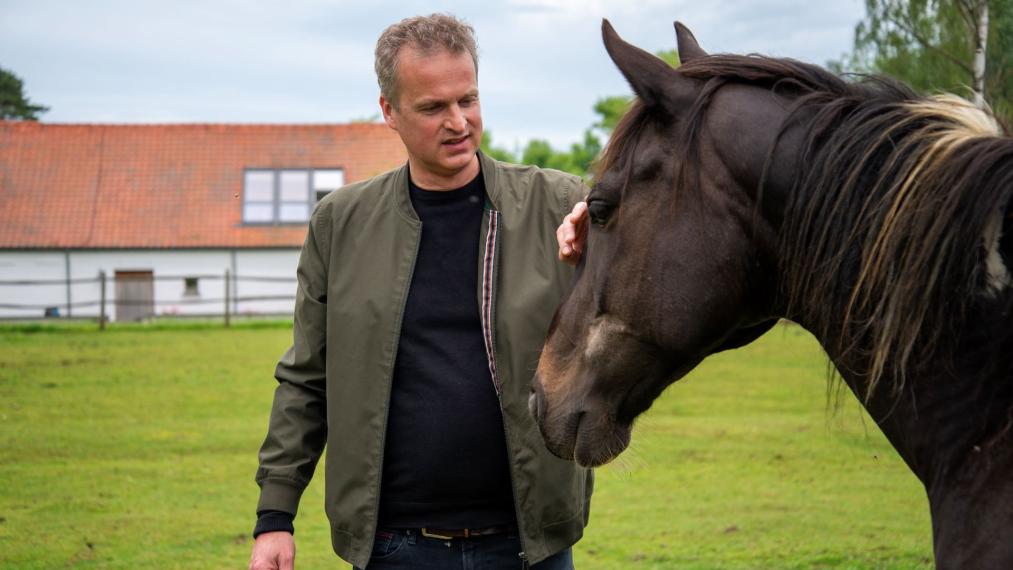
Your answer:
<point x="590" y="437"/>
<point x="598" y="441"/>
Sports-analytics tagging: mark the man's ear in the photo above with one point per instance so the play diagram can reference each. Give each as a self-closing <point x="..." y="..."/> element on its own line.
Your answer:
<point x="388" y="113"/>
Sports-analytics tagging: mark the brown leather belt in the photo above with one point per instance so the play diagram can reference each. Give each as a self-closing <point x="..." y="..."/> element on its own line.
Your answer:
<point x="447" y="534"/>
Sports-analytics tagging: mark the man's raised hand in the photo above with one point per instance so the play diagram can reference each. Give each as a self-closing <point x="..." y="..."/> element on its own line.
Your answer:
<point x="572" y="234"/>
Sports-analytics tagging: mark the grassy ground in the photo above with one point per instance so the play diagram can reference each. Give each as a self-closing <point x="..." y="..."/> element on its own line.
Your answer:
<point x="136" y="448"/>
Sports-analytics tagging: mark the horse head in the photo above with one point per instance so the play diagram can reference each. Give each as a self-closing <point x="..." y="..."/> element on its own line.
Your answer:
<point x="677" y="263"/>
<point x="741" y="189"/>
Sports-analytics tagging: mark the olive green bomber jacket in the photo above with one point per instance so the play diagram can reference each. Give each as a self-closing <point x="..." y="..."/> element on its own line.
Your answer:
<point x="334" y="382"/>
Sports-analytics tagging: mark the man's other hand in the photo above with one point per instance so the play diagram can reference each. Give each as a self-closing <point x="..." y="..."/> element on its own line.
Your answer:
<point x="273" y="551"/>
<point x="572" y="234"/>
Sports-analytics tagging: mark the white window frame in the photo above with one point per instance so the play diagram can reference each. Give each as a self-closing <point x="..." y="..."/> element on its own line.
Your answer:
<point x="313" y="193"/>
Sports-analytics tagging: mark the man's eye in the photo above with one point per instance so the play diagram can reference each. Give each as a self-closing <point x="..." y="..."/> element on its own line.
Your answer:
<point x="599" y="211"/>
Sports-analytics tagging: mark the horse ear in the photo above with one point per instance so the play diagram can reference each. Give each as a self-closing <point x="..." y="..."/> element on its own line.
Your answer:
<point x="686" y="42"/>
<point x="651" y="78"/>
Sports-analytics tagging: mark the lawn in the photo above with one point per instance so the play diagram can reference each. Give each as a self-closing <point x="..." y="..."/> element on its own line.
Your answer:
<point x="136" y="448"/>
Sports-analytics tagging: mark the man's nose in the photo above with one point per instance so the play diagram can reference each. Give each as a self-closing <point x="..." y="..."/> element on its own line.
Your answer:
<point x="455" y="121"/>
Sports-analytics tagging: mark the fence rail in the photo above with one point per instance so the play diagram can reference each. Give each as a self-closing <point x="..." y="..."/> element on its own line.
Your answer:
<point x="226" y="301"/>
<point x="206" y="277"/>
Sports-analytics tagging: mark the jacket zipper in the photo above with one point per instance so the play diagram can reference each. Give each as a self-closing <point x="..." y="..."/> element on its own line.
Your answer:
<point x="491" y="262"/>
<point x="489" y="297"/>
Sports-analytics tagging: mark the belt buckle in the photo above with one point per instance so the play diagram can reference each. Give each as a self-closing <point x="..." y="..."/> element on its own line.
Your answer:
<point x="426" y="533"/>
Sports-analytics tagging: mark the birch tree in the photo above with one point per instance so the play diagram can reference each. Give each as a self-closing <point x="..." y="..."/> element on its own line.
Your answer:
<point x="961" y="46"/>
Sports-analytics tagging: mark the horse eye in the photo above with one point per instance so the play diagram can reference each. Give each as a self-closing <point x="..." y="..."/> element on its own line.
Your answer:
<point x="599" y="211"/>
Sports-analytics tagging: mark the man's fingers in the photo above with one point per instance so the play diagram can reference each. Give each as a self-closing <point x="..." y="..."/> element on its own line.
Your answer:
<point x="568" y="230"/>
<point x="579" y="230"/>
<point x="570" y="233"/>
<point x="579" y="209"/>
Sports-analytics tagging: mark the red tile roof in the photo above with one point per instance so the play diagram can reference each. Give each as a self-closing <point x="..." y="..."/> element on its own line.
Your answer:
<point x="164" y="186"/>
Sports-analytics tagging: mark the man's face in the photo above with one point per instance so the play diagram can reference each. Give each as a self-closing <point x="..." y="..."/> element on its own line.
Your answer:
<point x="438" y="116"/>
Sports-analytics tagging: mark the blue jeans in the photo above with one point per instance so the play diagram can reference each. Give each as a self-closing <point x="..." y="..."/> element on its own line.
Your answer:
<point x="407" y="549"/>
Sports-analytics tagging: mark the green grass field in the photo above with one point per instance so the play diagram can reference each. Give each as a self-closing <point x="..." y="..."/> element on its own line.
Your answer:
<point x="136" y="448"/>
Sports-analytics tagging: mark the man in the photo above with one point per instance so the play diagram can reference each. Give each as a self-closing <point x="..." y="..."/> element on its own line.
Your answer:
<point x="424" y="296"/>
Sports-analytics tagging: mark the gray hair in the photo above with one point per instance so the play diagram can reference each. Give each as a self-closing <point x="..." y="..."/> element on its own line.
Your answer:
<point x="424" y="33"/>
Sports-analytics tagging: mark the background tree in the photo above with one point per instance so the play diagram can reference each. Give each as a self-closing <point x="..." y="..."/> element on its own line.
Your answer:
<point x="962" y="46"/>
<point x="577" y="160"/>
<point x="13" y="103"/>
<point x="496" y="152"/>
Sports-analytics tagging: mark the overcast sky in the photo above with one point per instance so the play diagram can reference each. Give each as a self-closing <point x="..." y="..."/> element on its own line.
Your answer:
<point x="542" y="64"/>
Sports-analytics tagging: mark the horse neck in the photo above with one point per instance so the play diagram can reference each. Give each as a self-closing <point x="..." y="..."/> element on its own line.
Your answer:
<point x="953" y="430"/>
<point x="958" y="411"/>
<point x="951" y="419"/>
<point x="902" y="320"/>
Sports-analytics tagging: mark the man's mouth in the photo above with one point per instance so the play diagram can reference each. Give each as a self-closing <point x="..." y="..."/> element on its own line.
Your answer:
<point x="456" y="141"/>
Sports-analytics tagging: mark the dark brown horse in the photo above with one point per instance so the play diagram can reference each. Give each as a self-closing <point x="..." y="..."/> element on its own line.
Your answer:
<point x="743" y="189"/>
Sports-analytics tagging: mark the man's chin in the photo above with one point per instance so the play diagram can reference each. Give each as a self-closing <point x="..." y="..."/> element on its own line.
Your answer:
<point x="456" y="161"/>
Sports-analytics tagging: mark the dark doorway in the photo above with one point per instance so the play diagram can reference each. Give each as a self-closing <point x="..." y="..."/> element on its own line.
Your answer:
<point x="135" y="295"/>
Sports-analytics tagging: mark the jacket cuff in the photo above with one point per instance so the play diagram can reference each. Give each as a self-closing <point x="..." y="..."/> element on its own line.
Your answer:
<point x="278" y="495"/>
<point x="273" y="521"/>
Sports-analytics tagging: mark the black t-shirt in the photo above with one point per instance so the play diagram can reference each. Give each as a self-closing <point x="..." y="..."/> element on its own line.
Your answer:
<point x="445" y="459"/>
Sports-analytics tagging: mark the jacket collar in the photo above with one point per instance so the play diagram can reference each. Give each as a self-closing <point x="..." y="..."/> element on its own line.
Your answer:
<point x="490" y="174"/>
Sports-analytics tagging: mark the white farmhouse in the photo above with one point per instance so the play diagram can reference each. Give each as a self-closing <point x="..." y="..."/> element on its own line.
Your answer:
<point x="164" y="211"/>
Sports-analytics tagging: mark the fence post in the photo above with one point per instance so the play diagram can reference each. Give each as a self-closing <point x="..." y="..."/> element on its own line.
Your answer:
<point x="102" y="302"/>
<point x="227" y="299"/>
<point x="66" y="266"/>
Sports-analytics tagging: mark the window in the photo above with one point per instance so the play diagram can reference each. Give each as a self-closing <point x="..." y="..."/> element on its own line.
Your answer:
<point x="326" y="181"/>
<point x="258" y="196"/>
<point x="190" y="287"/>
<point x="294" y="186"/>
<point x="286" y="196"/>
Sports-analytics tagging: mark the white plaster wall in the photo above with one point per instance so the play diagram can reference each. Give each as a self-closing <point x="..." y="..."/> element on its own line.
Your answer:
<point x="274" y="264"/>
<point x="28" y="265"/>
<point x="169" y="268"/>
